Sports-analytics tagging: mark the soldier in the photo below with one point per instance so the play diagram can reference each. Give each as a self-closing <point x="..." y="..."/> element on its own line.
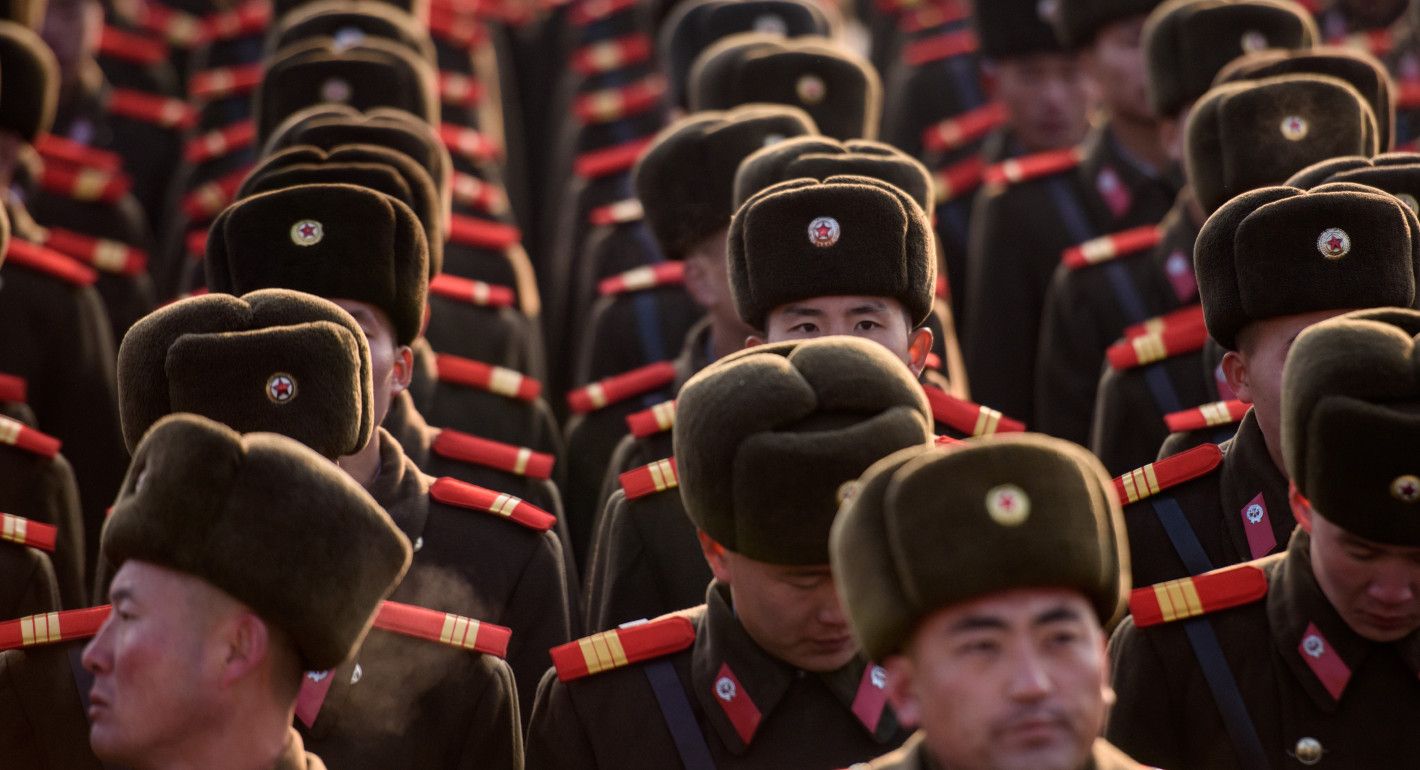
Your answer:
<point x="765" y="674"/>
<point x="227" y="589"/>
<point x="955" y="574"/>
<point x="1119" y="178"/>
<point x="1270" y="263"/>
<point x="1303" y="657"/>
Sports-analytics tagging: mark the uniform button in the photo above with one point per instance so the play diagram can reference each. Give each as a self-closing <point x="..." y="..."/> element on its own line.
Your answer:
<point x="1309" y="751"/>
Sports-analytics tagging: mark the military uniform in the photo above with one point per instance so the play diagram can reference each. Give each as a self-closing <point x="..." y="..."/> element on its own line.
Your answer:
<point x="29" y="586"/>
<point x="44" y="696"/>
<point x="914" y="756"/>
<point x="37" y="483"/>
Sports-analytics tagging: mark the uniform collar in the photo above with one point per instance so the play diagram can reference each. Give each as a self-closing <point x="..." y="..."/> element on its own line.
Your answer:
<point x="401" y="489"/>
<point x="1253" y="494"/>
<point x="1114" y="178"/>
<point x="695" y="354"/>
<point x="408" y="427"/>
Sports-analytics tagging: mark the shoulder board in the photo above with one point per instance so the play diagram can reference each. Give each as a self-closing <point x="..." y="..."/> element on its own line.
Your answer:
<point x="459" y="90"/>
<point x="179" y="28"/>
<point x="595" y="10"/>
<point x="1105" y="248"/>
<point x="472" y="192"/>
<point x="84" y="184"/>
<point x="35" y="534"/>
<point x="57" y="148"/>
<point x="150" y="108"/>
<point x="13" y="389"/>
<point x="1143" y="483"/>
<point x="956" y="132"/>
<point x="1157" y="346"/>
<point x="1207" y="416"/>
<point x="209" y="199"/>
<point x="37" y="257"/>
<point x="119" y="44"/>
<point x="1190" y="597"/>
<point x="959" y="179"/>
<point x="196" y="242"/>
<point x="611" y="104"/>
<point x="223" y="82"/>
<point x="52" y="627"/>
<point x="610" y="160"/>
<point x="1377" y="42"/>
<point x="21" y="436"/>
<point x="104" y="254"/>
<point x="944" y="46"/>
<point x="468" y="142"/>
<point x="1024" y="169"/>
<point x="1183" y="317"/>
<point x="621" y="647"/>
<point x="443" y="627"/>
<point x="650" y="479"/>
<point x="248" y="19"/>
<point x="648" y="422"/>
<point x="457" y="28"/>
<point x="220" y="142"/>
<point x="476" y="450"/>
<point x="971" y="419"/>
<point x="461" y="494"/>
<point x="668" y="273"/>
<point x="482" y="233"/>
<point x="494" y="379"/>
<point x="619" y="213"/>
<point x="469" y="291"/>
<point x="607" y="55"/>
<point x="620" y="387"/>
<point x="931" y="16"/>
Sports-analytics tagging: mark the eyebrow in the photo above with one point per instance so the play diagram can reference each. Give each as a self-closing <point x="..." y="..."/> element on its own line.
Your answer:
<point x="978" y="623"/>
<point x="799" y="310"/>
<point x="1057" y="615"/>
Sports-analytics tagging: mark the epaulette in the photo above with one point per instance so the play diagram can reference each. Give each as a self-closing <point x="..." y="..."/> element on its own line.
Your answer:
<point x="222" y="82"/>
<point x="591" y="11"/>
<point x="482" y="233"/>
<point x="1024" y="169"/>
<point x="467" y="142"/>
<point x="1207" y="416"/>
<point x="922" y="19"/>
<point x="179" y="28"/>
<point x="971" y="419"/>
<point x="468" y="190"/>
<point x="13" y="390"/>
<point x="1153" y="347"/>
<point x="196" y="242"/>
<point x="648" y="422"/>
<point x="959" y="179"/>
<point x="621" y="647"/>
<point x="461" y="494"/>
<point x="82" y="183"/>
<point x="1377" y="42"/>
<point x="35" y="534"/>
<point x="72" y="153"/>
<point x="668" y="273"/>
<point x="37" y="257"/>
<point x="220" y="142"/>
<point x="120" y="44"/>
<point x="248" y="19"/>
<point x="459" y="90"/>
<point x="210" y="198"/>
<point x="1189" y="316"/>
<point x="21" y="436"/>
<point x="620" y="387"/>
<point x="1143" y="483"/>
<point x="650" y="479"/>
<point x="459" y="29"/>
<point x="52" y="627"/>
<point x="1190" y="597"/>
<point x="619" y="213"/>
<point x="944" y="46"/>
<point x="611" y="104"/>
<point x="595" y="164"/>
<point x="494" y="379"/>
<point x="1407" y="95"/>
<point x="443" y="627"/>
<point x="959" y="131"/>
<point x="608" y="55"/>
<point x="1108" y="247"/>
<point x="476" y="450"/>
<point x="472" y="292"/>
<point x="104" y="254"/>
<point x="150" y="108"/>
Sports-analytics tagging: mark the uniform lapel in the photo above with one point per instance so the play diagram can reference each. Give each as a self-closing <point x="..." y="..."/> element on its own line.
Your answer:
<point x="737" y="684"/>
<point x="1253" y="495"/>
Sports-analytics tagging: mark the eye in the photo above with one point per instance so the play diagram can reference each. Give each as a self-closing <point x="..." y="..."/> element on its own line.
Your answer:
<point x="807" y="327"/>
<point x="868" y="325"/>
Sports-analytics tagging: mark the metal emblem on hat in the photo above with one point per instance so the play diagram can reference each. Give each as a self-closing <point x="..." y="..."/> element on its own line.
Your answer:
<point x="281" y="388"/>
<point x="1008" y="505"/>
<point x="1252" y="40"/>
<point x="1295" y="128"/>
<point x="346" y="38"/>
<point x="1405" y="488"/>
<point x="307" y="232"/>
<point x="824" y="232"/>
<point x="1314" y="646"/>
<point x="771" y="24"/>
<point x="1333" y="243"/>
<point x="811" y="89"/>
<point x="725" y="689"/>
<point x="335" y="90"/>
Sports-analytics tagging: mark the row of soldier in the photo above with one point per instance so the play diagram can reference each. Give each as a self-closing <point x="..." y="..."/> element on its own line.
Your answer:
<point x="355" y="283"/>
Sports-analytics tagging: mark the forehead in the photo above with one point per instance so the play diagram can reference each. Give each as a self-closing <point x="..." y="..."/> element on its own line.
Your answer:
<point x="843" y="304"/>
<point x="1016" y="607"/>
<point x="154" y="584"/>
<point x="364" y="313"/>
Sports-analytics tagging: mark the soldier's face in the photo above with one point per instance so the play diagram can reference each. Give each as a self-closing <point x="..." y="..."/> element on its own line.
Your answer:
<point x="1116" y="64"/>
<point x="391" y="364"/>
<point x="881" y="320"/>
<point x="1013" y="681"/>
<point x="1373" y="586"/>
<point x="1048" y="98"/>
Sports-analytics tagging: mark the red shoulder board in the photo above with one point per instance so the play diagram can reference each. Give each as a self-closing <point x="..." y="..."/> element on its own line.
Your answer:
<point x="944" y="46"/>
<point x="476" y="450"/>
<point x="611" y="104"/>
<point x="1190" y="597"/>
<point x="1030" y="167"/>
<point x="83" y="184"/>
<point x="1183" y="317"/>
<point x="1207" y="416"/>
<point x="494" y="379"/>
<point x="149" y="108"/>
<point x="482" y="233"/>
<point x="619" y="213"/>
<point x="595" y="10"/>
<point x="197" y="243"/>
<point x="209" y="199"/>
<point x="219" y="143"/>
<point x="19" y="435"/>
<point x="469" y="190"/>
<point x="12" y="389"/>
<point x="37" y="257"/>
<point x="52" y="627"/>
<point x="617" y="388"/>
<point x="443" y="627"/>
<point x="179" y="28"/>
<point x="931" y="17"/>
<point x="461" y="494"/>
<point x="118" y="44"/>
<point x="1156" y="346"/>
<point x="650" y="479"/>
<point x="971" y="419"/>
<point x="457" y="28"/>
<point x="248" y="19"/>
<point x="1107" y="247"/>
<point x="470" y="291"/>
<point x="106" y="255"/>
<point x="20" y="530"/>
<point x="607" y="55"/>
<point x="467" y="142"/>
<point x="669" y="273"/>
<point x="648" y="422"/>
<point x="961" y="130"/>
<point x="223" y="82"/>
<point x="458" y="89"/>
<point x="622" y="647"/>
<point x="72" y="153"/>
<point x="610" y="160"/>
<point x="1143" y="483"/>
<point x="959" y="179"/>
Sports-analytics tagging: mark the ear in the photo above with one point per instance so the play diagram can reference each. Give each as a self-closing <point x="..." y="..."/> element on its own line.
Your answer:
<point x="402" y="372"/>
<point x="715" y="556"/>
<point x="919" y="346"/>
<point x="900" y="692"/>
<point x="699" y="282"/>
<point x="1235" y="371"/>
<point x="1106" y="678"/>
<point x="1301" y="509"/>
<point x="246" y="646"/>
<point x="754" y="341"/>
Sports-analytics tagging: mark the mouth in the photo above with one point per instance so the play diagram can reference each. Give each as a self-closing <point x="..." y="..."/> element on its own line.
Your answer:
<point x="1387" y="622"/>
<point x="1034" y="730"/>
<point x="831" y="645"/>
<point x="97" y="705"/>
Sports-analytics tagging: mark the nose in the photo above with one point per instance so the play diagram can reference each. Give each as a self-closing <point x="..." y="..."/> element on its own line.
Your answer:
<point x="1392" y="585"/>
<point x="97" y="655"/>
<point x="830" y="609"/>
<point x="1028" y="680"/>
